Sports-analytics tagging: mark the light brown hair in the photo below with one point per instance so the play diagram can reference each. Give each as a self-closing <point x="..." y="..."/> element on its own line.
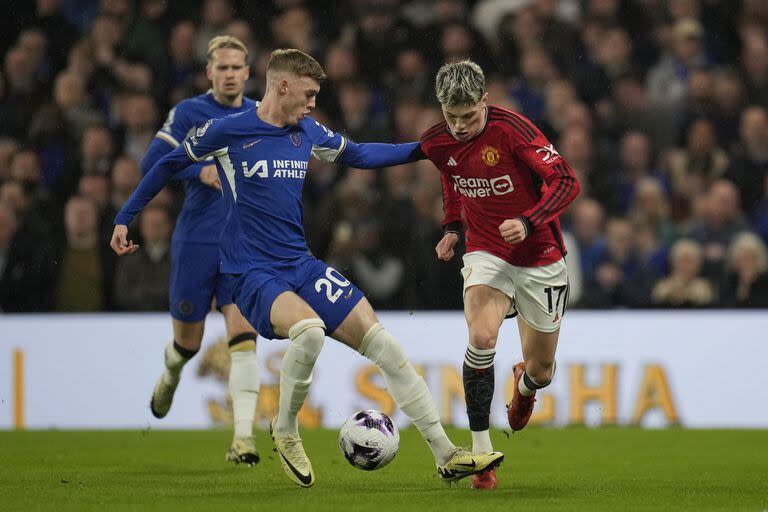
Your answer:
<point x="219" y="42"/>
<point x="296" y="62"/>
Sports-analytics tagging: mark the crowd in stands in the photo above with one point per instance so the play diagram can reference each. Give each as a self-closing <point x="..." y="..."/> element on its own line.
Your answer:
<point x="658" y="105"/>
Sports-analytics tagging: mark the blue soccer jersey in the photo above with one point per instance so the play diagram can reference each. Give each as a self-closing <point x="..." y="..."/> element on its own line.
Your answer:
<point x="262" y="173"/>
<point x="204" y="212"/>
<point x="262" y="170"/>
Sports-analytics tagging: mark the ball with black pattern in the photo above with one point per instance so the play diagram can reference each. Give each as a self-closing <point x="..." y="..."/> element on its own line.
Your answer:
<point x="369" y="440"/>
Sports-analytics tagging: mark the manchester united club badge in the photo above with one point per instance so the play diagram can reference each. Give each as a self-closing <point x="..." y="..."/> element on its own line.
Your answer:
<point x="490" y="155"/>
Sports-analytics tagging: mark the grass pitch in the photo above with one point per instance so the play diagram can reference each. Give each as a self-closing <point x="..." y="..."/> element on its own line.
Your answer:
<point x="545" y="469"/>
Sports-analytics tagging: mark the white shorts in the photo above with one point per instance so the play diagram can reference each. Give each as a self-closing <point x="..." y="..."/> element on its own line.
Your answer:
<point x="538" y="294"/>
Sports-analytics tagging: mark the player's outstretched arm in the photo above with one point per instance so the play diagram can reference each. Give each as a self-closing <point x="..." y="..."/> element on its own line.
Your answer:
<point x="149" y="187"/>
<point x="372" y="155"/>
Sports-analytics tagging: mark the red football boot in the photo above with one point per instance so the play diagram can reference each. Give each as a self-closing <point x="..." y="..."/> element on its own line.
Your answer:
<point x="520" y="408"/>
<point x="484" y="480"/>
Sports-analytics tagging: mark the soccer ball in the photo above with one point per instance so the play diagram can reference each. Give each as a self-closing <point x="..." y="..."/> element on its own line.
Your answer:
<point x="369" y="440"/>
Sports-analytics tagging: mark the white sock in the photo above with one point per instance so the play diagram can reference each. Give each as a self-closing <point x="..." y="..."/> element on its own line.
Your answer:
<point x="481" y="442"/>
<point x="175" y="361"/>
<point x="307" y="337"/>
<point x="244" y="381"/>
<point x="524" y="390"/>
<point x="408" y="389"/>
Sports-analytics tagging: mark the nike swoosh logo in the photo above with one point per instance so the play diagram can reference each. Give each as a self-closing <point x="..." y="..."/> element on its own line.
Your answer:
<point x="305" y="479"/>
<point x="246" y="146"/>
<point x="471" y="466"/>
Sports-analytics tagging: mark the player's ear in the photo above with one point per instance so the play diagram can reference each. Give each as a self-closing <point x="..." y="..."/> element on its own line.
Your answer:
<point x="282" y="86"/>
<point x="484" y="99"/>
<point x="208" y="71"/>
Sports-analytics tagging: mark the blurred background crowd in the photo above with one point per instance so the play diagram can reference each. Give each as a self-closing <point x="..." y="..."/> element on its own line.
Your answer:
<point x="658" y="105"/>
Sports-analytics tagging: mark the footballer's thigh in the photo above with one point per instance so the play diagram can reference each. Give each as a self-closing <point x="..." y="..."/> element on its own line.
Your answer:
<point x="287" y="310"/>
<point x="194" y="270"/>
<point x="339" y="303"/>
<point x="488" y="296"/>
<point x="485" y="309"/>
<point x="234" y="321"/>
<point x="357" y="323"/>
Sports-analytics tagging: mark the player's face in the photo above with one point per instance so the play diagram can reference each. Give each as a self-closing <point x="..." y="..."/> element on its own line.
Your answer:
<point x="298" y="97"/>
<point x="466" y="121"/>
<point x="228" y="72"/>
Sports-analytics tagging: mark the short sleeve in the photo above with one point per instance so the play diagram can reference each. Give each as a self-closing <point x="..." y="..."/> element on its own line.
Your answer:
<point x="208" y="140"/>
<point x="176" y="126"/>
<point x="326" y="145"/>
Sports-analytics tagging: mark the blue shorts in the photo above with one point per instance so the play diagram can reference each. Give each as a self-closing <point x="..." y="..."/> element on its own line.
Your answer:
<point x="326" y="291"/>
<point x="195" y="280"/>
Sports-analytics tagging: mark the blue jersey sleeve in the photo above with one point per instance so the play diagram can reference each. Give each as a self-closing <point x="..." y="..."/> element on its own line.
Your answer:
<point x="159" y="148"/>
<point x="173" y="132"/>
<point x="176" y="126"/>
<point x="151" y="184"/>
<point x="208" y="140"/>
<point x="332" y="147"/>
<point x="376" y="155"/>
<point x="326" y="145"/>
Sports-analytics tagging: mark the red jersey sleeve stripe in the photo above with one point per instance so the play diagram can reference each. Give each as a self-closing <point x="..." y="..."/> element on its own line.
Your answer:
<point x="535" y="216"/>
<point x="561" y="192"/>
<point x="522" y="130"/>
<point x="525" y="122"/>
<point x="555" y="202"/>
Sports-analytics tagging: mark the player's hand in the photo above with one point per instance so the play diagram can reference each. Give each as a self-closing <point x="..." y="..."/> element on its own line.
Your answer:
<point x="512" y="231"/>
<point x="210" y="176"/>
<point x="444" y="248"/>
<point x="120" y="243"/>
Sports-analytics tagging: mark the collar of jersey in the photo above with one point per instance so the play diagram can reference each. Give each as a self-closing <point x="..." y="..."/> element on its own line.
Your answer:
<point x="264" y="127"/>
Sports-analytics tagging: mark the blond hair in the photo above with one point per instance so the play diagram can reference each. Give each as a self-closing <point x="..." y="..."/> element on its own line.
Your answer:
<point x="747" y="241"/>
<point x="460" y="84"/>
<point x="685" y="247"/>
<point x="296" y="62"/>
<point x="220" y="42"/>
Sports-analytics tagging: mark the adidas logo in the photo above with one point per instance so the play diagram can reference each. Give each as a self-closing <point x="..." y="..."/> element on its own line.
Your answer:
<point x="452" y="162"/>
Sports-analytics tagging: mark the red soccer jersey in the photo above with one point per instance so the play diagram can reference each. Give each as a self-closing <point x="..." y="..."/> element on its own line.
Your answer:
<point x="508" y="170"/>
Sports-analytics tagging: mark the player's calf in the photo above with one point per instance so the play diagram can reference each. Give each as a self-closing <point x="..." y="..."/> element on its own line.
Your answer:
<point x="307" y="338"/>
<point x="408" y="389"/>
<point x="175" y="358"/>
<point x="520" y="408"/>
<point x="479" y="380"/>
<point x="244" y="382"/>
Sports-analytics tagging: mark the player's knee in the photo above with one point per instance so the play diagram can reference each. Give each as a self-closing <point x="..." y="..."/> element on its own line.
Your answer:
<point x="483" y="337"/>
<point x="382" y="348"/>
<point x="310" y="335"/>
<point x="243" y="342"/>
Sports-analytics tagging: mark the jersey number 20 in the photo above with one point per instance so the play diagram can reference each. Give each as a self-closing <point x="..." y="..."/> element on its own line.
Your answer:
<point x="334" y="277"/>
